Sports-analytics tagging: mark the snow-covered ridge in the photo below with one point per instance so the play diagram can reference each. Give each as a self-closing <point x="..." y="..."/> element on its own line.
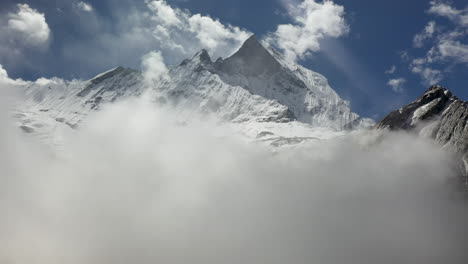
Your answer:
<point x="255" y="85"/>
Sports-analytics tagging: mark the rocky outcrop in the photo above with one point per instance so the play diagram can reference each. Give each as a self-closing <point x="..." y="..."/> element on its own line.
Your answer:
<point x="439" y="115"/>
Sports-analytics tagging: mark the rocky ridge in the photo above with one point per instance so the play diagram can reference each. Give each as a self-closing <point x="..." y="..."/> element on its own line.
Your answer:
<point x="437" y="114"/>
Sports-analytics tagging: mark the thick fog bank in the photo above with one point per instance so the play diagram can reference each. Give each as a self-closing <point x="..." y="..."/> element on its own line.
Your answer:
<point x="134" y="186"/>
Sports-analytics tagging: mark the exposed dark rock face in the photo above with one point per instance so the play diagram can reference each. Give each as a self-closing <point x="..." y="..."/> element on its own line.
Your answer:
<point x="437" y="114"/>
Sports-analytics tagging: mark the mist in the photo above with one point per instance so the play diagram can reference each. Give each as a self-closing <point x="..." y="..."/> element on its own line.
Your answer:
<point x="135" y="185"/>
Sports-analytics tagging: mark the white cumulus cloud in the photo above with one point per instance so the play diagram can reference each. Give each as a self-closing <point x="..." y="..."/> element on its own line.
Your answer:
<point x="30" y="24"/>
<point x="166" y="14"/>
<point x="212" y="33"/>
<point x="313" y="21"/>
<point x="185" y="33"/>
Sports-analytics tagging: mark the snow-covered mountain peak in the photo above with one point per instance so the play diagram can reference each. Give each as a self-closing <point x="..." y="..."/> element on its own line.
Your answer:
<point x="199" y="62"/>
<point x="202" y="56"/>
<point x="94" y="83"/>
<point x="108" y="73"/>
<point x="252" y="59"/>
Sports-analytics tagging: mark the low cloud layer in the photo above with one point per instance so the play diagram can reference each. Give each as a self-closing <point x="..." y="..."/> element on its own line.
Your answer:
<point x="6" y="81"/>
<point x="135" y="186"/>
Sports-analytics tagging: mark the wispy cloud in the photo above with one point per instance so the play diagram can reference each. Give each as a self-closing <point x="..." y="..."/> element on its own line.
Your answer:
<point x="443" y="46"/>
<point x="427" y="33"/>
<point x="428" y="75"/>
<point x="397" y="84"/>
<point x="459" y="16"/>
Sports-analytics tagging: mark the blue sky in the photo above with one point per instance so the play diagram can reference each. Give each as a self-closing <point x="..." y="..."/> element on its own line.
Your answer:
<point x="382" y="54"/>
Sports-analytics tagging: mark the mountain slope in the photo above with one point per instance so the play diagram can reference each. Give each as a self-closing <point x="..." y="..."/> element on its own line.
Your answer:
<point x="437" y="114"/>
<point x="254" y="85"/>
<point x="306" y="93"/>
